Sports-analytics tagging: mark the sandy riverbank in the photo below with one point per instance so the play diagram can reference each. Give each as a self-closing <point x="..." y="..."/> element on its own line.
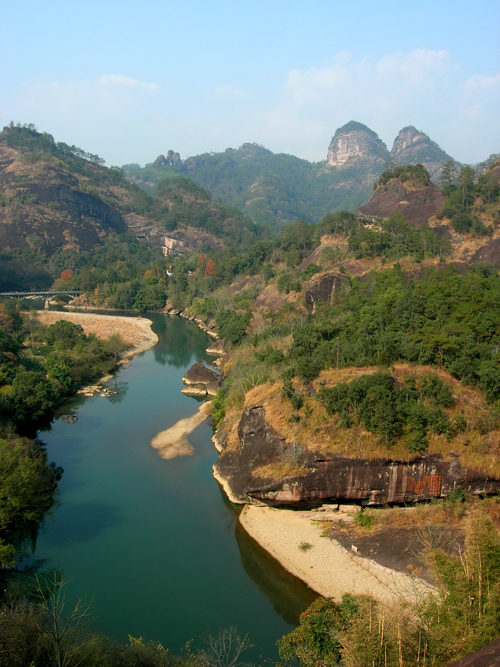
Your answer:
<point x="324" y="565"/>
<point x="134" y="331"/>
<point x="173" y="441"/>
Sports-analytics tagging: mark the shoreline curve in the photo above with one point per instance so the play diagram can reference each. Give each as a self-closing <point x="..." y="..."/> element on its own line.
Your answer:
<point x="324" y="564"/>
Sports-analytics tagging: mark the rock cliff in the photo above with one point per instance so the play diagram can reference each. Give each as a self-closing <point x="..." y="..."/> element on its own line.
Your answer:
<point x="45" y="207"/>
<point x="416" y="204"/>
<point x="413" y="147"/>
<point x="321" y="288"/>
<point x="354" y="143"/>
<point x="319" y="477"/>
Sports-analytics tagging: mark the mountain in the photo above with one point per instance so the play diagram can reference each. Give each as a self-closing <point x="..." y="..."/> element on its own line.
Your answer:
<point x="414" y="147"/>
<point x="417" y="199"/>
<point x="272" y="189"/>
<point x="58" y="198"/>
<point x="276" y="189"/>
<point x="354" y="143"/>
<point x="51" y="197"/>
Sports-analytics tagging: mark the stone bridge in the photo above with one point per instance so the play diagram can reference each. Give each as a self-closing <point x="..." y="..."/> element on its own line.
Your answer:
<point x="47" y="295"/>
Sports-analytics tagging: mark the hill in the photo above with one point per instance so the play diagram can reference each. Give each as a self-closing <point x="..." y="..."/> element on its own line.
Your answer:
<point x="276" y="188"/>
<point x="58" y="200"/>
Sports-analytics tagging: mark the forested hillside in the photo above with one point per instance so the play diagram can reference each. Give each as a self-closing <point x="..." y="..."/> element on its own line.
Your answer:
<point x="359" y="347"/>
<point x="277" y="188"/>
<point x="57" y="199"/>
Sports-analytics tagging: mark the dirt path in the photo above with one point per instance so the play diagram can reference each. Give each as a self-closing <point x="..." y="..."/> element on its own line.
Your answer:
<point x="173" y="441"/>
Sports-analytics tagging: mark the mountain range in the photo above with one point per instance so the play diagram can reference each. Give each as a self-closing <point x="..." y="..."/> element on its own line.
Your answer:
<point x="276" y="189"/>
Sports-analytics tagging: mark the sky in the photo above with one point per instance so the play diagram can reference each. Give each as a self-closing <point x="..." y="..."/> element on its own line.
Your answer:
<point x="129" y="80"/>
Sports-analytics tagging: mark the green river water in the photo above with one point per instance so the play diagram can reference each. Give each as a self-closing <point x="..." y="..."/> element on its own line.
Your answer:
<point x="154" y="543"/>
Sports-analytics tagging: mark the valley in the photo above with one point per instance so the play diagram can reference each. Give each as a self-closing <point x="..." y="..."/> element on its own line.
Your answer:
<point x="356" y="307"/>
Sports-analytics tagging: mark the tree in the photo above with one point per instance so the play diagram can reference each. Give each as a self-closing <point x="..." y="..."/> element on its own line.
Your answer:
<point x="466" y="186"/>
<point x="62" y="628"/>
<point x="315" y="641"/>
<point x="224" y="649"/>
<point x="27" y="484"/>
<point x="66" y="275"/>
<point x="448" y="176"/>
<point x="209" y="268"/>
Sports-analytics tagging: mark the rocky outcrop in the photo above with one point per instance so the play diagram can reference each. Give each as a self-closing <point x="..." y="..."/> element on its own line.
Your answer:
<point x="356" y="143"/>
<point x="171" y="160"/>
<point x="216" y="348"/>
<point x="47" y="209"/>
<point x="413" y="147"/>
<point x="320" y="477"/>
<point x="488" y="656"/>
<point x="417" y="205"/>
<point x="201" y="381"/>
<point x="322" y="287"/>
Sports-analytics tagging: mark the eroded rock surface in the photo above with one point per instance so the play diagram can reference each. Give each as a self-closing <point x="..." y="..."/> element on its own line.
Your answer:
<point x="417" y="205"/>
<point x="319" y="477"/>
<point x="200" y="381"/>
<point x="322" y="287"/>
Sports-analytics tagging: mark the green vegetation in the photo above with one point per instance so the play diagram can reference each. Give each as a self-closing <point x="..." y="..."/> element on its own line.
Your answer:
<point x="272" y="189"/>
<point x="39" y="367"/>
<point x="441" y="318"/>
<point x="415" y="175"/>
<point x="462" y="193"/>
<point x="389" y="410"/>
<point x="27" y="484"/>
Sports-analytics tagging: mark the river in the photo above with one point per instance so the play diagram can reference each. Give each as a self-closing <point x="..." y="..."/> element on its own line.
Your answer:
<point x="154" y="543"/>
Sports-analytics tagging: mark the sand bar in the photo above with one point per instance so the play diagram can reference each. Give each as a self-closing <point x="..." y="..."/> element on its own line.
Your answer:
<point x="173" y="441"/>
<point x="134" y="331"/>
<point x="325" y="566"/>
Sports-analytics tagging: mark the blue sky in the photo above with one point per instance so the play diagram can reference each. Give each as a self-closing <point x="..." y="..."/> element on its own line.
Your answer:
<point x="129" y="80"/>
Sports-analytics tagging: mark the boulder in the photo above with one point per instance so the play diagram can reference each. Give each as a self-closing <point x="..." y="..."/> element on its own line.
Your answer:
<point x="195" y="390"/>
<point x="200" y="374"/>
<point x="215" y="348"/>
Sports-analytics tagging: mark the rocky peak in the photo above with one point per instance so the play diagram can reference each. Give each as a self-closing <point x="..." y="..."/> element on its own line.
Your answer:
<point x="356" y="142"/>
<point x="406" y="141"/>
<point x="171" y="160"/>
<point x="412" y="147"/>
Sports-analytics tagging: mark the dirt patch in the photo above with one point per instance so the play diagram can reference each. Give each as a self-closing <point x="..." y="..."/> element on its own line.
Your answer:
<point x="399" y="549"/>
<point x="134" y="331"/>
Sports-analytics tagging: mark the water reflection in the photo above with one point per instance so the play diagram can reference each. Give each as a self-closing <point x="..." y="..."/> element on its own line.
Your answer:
<point x="177" y="344"/>
<point x="288" y="595"/>
<point x="118" y="391"/>
<point x="80" y="522"/>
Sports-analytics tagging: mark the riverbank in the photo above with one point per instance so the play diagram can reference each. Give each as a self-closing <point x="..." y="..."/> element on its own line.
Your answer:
<point x="136" y="332"/>
<point x="173" y="441"/>
<point x="322" y="563"/>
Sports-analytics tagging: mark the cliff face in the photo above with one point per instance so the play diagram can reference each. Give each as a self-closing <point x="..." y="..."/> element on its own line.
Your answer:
<point x="354" y="143"/>
<point x="44" y="207"/>
<point x="413" y="147"/>
<point x="320" y="477"/>
<point x="322" y="287"/>
<point x="416" y="204"/>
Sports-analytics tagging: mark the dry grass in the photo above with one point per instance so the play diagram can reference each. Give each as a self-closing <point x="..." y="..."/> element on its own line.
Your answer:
<point x="314" y="429"/>
<point x="134" y="331"/>
<point x="437" y="513"/>
<point x="279" y="470"/>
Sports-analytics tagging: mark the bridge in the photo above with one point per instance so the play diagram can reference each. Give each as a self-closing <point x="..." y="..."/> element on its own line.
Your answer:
<point x="47" y="295"/>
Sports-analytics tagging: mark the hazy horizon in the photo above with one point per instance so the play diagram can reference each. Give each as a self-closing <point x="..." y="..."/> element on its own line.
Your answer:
<point x="130" y="81"/>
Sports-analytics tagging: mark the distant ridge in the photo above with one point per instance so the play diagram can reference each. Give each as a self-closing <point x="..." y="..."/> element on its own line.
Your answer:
<point x="276" y="188"/>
